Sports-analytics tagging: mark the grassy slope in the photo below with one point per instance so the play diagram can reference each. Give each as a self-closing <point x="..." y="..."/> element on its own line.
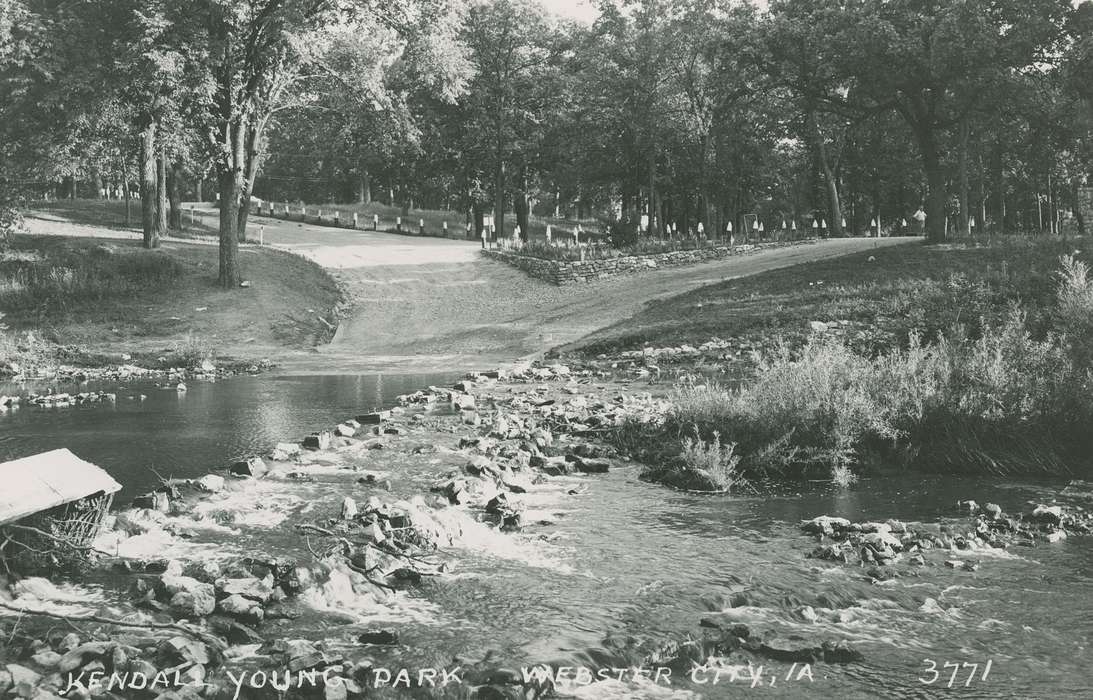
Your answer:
<point x="146" y="302"/>
<point x="1001" y="393"/>
<point x="110" y="214"/>
<point x="902" y="289"/>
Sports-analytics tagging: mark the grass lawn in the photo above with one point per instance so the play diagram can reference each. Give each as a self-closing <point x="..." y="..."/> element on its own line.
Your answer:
<point x="894" y="291"/>
<point x="110" y="214"/>
<point x="113" y="297"/>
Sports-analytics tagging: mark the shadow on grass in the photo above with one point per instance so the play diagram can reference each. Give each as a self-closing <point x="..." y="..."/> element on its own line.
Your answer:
<point x="111" y="214"/>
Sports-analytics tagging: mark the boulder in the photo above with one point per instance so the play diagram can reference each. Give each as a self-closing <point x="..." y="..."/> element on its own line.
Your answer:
<point x="83" y="655"/>
<point x="825" y="525"/>
<point x="374" y="418"/>
<point x="182" y="650"/>
<point x="241" y="606"/>
<point x="187" y="596"/>
<point x="591" y="466"/>
<point x="22" y="676"/>
<point x="156" y="500"/>
<point x="349" y="508"/>
<point x="285" y="451"/>
<point x="253" y="467"/>
<point x="251" y="587"/>
<point x="379" y="637"/>
<point x="238" y="633"/>
<point x="302" y="655"/>
<point x="46" y="657"/>
<point x="318" y="441"/>
<point x="463" y="402"/>
<point x="344" y="430"/>
<point x="1052" y="515"/>
<point x="212" y="483"/>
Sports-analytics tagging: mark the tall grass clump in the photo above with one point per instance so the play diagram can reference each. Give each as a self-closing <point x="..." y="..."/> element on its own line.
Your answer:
<point x="79" y="278"/>
<point x="1002" y="401"/>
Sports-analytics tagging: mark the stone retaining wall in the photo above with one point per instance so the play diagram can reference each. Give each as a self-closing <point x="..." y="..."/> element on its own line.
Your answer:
<point x="559" y="272"/>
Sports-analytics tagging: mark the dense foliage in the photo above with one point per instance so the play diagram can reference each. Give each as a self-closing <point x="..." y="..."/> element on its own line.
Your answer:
<point x="677" y="113"/>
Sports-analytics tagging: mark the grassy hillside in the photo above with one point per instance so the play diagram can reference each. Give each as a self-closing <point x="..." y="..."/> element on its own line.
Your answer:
<point x="108" y="297"/>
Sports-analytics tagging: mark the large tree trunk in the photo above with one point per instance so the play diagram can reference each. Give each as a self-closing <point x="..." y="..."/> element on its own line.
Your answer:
<point x="935" y="182"/>
<point x="230" y="182"/>
<point x="499" y="172"/>
<point x="125" y="184"/>
<point x="250" y="172"/>
<point x="499" y="197"/>
<point x="229" y="213"/>
<point x="161" y="193"/>
<point x="834" y="206"/>
<point x="653" y="220"/>
<point x="479" y="218"/>
<point x="520" y="207"/>
<point x="174" y="195"/>
<point x="148" y="185"/>
<point x="1076" y="205"/>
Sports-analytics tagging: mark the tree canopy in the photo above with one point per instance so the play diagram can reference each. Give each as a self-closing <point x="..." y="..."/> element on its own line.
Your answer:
<point x="662" y="117"/>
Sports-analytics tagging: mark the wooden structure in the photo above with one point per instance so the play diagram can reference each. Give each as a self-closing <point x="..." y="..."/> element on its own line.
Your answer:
<point x="54" y="499"/>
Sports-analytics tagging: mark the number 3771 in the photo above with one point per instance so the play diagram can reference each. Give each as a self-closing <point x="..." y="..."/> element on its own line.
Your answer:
<point x="967" y="671"/>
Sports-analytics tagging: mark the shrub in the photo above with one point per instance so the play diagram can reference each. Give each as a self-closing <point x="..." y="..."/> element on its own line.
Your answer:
<point x="11" y="219"/>
<point x="1004" y="401"/>
<point x="712" y="458"/>
<point x="1074" y="309"/>
<point x="604" y="251"/>
<point x="191" y="352"/>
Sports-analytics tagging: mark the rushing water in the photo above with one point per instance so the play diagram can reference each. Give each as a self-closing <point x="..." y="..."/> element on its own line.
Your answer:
<point x="627" y="561"/>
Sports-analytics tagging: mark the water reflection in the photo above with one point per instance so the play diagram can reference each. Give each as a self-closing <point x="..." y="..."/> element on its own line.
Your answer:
<point x="183" y="434"/>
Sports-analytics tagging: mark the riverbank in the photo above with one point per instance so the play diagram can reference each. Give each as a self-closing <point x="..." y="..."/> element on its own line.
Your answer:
<point x="326" y="557"/>
<point x="955" y="359"/>
<point x="83" y="307"/>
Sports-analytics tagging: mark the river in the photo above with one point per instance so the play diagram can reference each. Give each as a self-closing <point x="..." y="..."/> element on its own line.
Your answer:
<point x="628" y="562"/>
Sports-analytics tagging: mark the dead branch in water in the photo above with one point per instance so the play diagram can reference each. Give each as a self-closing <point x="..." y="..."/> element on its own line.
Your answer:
<point x="205" y="637"/>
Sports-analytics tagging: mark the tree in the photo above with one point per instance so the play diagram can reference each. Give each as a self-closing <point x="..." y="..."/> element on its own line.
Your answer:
<point x="932" y="61"/>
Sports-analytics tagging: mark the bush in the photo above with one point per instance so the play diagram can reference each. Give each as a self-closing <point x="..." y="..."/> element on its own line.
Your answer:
<point x="604" y="251"/>
<point x="1007" y="400"/>
<point x="11" y="219"/>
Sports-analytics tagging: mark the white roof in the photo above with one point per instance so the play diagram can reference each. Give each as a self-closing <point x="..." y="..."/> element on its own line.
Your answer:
<point x="43" y="481"/>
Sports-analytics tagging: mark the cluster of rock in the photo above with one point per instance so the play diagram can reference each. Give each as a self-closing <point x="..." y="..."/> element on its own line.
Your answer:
<point x="245" y="591"/>
<point x="510" y="441"/>
<point x="560" y="272"/>
<point x="713" y="349"/>
<point x="205" y="369"/>
<point x="987" y="527"/>
<point x="724" y="638"/>
<point x="127" y="665"/>
<point x="63" y="400"/>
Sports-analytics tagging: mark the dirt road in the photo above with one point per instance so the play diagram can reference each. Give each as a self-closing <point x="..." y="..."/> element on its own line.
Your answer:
<point x="427" y="304"/>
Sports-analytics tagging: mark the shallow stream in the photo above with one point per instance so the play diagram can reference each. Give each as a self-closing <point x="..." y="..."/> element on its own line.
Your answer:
<point x="626" y="561"/>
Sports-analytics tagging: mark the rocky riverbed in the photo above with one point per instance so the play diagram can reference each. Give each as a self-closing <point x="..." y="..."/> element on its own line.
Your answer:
<point x="357" y="518"/>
